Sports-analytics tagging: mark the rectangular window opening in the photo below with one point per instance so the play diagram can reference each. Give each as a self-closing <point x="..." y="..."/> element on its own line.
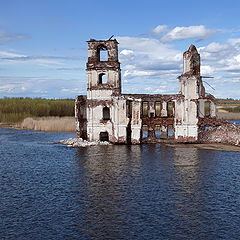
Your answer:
<point x="158" y="109"/>
<point x="170" y="109"/>
<point x="145" y="108"/>
<point x="129" y="109"/>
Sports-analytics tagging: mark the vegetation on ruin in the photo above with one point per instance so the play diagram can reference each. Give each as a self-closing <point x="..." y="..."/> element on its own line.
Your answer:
<point x="13" y="110"/>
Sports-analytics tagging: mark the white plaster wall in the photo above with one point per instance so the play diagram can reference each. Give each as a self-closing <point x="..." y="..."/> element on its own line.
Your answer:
<point x="103" y="94"/>
<point x="164" y="109"/>
<point x="186" y="63"/>
<point x="189" y="87"/>
<point x="186" y="131"/>
<point x="136" y="122"/>
<point x="92" y="78"/>
<point x="119" y="119"/>
<point x="178" y="110"/>
<point x="95" y="124"/>
<point x="212" y="109"/>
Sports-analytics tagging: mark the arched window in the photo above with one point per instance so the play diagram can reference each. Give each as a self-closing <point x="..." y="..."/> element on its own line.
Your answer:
<point x="102" y="53"/>
<point x="106" y="113"/>
<point x="102" y="78"/>
<point x="103" y="136"/>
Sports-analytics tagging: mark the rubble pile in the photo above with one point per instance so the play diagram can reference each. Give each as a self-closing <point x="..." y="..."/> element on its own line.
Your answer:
<point x="228" y="133"/>
<point x="79" y="142"/>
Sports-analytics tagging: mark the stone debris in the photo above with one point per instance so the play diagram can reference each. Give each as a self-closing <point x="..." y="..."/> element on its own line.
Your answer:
<point x="227" y="134"/>
<point x="79" y="142"/>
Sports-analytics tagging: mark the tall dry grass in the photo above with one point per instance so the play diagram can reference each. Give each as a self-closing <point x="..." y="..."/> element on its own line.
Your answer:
<point x="228" y="115"/>
<point x="51" y="124"/>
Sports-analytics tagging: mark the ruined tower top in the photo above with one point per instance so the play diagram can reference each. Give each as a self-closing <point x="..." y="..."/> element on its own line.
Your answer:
<point x="102" y="51"/>
<point x="191" y="61"/>
<point x="103" y="69"/>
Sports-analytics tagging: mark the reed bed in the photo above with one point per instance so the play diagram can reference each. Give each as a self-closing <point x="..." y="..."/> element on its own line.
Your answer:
<point x="51" y="124"/>
<point x="228" y="115"/>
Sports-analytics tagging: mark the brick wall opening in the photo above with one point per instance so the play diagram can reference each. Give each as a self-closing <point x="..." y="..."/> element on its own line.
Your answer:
<point x="102" y="78"/>
<point x="104" y="136"/>
<point x="106" y="113"/>
<point x="102" y="53"/>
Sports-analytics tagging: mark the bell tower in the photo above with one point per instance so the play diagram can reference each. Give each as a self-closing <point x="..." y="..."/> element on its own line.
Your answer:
<point x="103" y="69"/>
<point x="103" y="88"/>
<point x="191" y="87"/>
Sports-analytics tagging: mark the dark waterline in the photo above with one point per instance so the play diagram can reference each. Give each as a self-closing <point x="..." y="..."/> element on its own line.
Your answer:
<point x="115" y="192"/>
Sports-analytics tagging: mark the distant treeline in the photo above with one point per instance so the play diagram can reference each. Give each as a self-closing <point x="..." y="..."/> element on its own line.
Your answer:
<point x="221" y="101"/>
<point x="16" y="109"/>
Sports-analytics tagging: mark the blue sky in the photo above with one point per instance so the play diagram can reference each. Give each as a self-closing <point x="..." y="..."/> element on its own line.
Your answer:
<point x="43" y="49"/>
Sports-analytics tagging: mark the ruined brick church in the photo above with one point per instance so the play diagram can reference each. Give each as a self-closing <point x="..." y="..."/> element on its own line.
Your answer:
<point x="106" y="114"/>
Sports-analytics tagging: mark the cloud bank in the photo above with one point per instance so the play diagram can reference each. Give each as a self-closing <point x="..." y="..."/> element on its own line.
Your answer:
<point x="149" y="64"/>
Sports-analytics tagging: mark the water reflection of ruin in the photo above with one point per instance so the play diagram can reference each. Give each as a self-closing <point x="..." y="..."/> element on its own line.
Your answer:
<point x="109" y="173"/>
<point x="189" y="182"/>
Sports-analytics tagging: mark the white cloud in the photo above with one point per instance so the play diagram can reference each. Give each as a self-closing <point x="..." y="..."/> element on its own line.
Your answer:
<point x="4" y="54"/>
<point x="8" y="88"/>
<point x="180" y="33"/>
<point x="12" y="58"/>
<point x="148" y="65"/>
<point x="127" y="56"/>
<point x="207" y="70"/>
<point x="158" y="30"/>
<point x="148" y="89"/>
<point x="212" y="48"/>
<point x="147" y="46"/>
<point x="126" y="52"/>
<point x="6" y="37"/>
<point x="156" y="62"/>
<point x="159" y="90"/>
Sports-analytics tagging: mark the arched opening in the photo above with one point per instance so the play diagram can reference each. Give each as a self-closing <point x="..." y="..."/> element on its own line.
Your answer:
<point x="145" y="108"/>
<point x="207" y="108"/>
<point x="102" y="78"/>
<point x="170" y="109"/>
<point x="102" y="53"/>
<point x="158" y="109"/>
<point x="106" y="113"/>
<point x="104" y="136"/>
<point x="206" y="127"/>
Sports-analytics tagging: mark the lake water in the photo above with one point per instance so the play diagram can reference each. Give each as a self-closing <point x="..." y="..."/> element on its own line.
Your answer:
<point x="115" y="192"/>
